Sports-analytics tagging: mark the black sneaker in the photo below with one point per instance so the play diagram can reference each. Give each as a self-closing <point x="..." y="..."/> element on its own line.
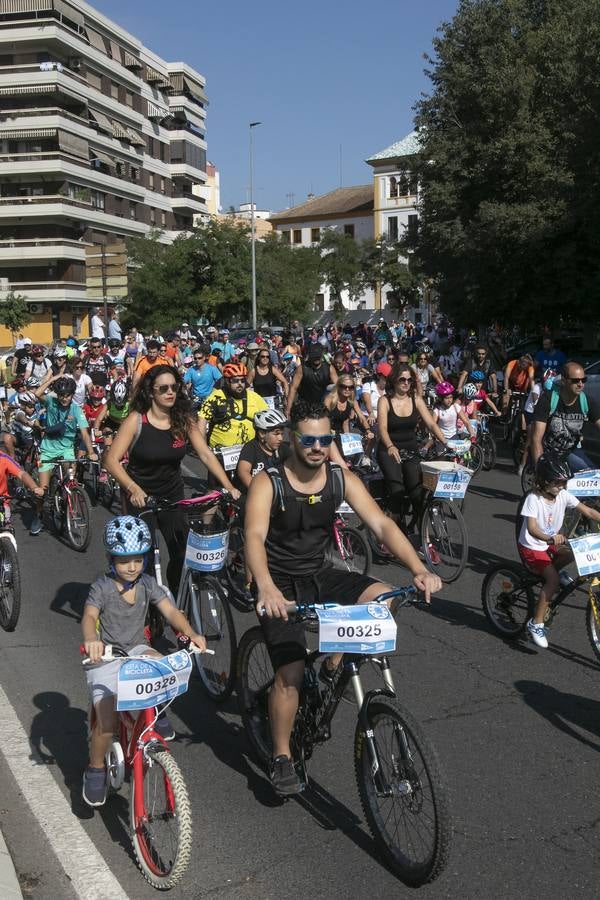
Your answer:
<point x="94" y="786"/>
<point x="284" y="777"/>
<point x="163" y="727"/>
<point x="326" y="676"/>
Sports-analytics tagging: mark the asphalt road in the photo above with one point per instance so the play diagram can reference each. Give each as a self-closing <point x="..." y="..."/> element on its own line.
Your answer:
<point x="517" y="730"/>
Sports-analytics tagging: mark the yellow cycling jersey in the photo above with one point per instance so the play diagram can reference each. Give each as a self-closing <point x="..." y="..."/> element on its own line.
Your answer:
<point x="230" y="421"/>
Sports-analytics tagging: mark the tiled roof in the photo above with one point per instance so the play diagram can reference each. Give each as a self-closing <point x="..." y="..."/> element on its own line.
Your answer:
<point x="343" y="200"/>
<point x="408" y="146"/>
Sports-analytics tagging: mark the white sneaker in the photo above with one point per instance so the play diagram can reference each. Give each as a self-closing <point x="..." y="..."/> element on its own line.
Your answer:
<point x="520" y="470"/>
<point x="537" y="633"/>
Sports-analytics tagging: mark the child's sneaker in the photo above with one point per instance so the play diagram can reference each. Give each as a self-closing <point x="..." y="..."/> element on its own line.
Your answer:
<point x="94" y="786"/>
<point x="163" y="727"/>
<point x="537" y="633"/>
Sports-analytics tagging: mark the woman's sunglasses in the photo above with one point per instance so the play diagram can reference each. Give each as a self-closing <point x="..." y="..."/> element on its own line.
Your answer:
<point x="174" y="388"/>
<point x="403" y="380"/>
<point x="309" y="440"/>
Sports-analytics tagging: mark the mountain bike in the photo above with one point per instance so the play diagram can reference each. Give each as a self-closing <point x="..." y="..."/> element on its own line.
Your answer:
<point x="68" y="506"/>
<point x="486" y="442"/>
<point x="398" y="776"/>
<point x="348" y="550"/>
<point x="10" y="573"/>
<point x="201" y="595"/>
<point x="103" y="487"/>
<point x="160" y="815"/>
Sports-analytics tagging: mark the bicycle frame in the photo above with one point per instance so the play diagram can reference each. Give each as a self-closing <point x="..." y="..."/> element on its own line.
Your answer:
<point x="135" y="734"/>
<point x="65" y="481"/>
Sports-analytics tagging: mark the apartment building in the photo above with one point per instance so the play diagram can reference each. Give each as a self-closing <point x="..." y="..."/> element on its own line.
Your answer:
<point x="348" y="210"/>
<point x="100" y="140"/>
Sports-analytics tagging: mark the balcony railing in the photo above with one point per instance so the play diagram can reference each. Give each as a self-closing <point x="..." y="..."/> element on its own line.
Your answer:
<point x="7" y="114"/>
<point x="17" y="243"/>
<point x="44" y="198"/>
<point x="28" y="68"/>
<point x="22" y="286"/>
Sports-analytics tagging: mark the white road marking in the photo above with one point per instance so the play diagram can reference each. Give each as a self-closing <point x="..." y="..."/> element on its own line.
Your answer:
<point x="83" y="864"/>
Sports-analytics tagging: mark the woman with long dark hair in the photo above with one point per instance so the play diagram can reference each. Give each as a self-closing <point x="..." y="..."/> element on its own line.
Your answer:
<point x="155" y="435"/>
<point x="398" y="415"/>
<point x="263" y="377"/>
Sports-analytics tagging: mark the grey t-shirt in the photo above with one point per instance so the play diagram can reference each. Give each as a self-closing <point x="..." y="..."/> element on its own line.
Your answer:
<point x="122" y="623"/>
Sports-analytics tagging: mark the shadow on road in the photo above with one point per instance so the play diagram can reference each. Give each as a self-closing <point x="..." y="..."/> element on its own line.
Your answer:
<point x="483" y="560"/>
<point x="58" y="737"/>
<point x="567" y="712"/>
<point x="73" y="595"/>
<point x="492" y="493"/>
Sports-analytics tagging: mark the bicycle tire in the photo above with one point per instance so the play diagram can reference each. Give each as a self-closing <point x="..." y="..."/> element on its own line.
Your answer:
<point x="445" y="554"/>
<point x="210" y="615"/>
<point x="163" y="873"/>
<point x="507" y="600"/>
<point x="254" y="678"/>
<point x="9" y="572"/>
<point x="356" y="549"/>
<point x="417" y="786"/>
<point x="79" y="504"/>
<point x="474" y="461"/>
<point x="490" y="452"/>
<point x="592" y="621"/>
<point x="107" y="491"/>
<point x="235" y="571"/>
<point x="94" y="488"/>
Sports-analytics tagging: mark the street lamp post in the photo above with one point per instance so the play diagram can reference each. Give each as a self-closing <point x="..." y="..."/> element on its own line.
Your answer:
<point x="252" y="232"/>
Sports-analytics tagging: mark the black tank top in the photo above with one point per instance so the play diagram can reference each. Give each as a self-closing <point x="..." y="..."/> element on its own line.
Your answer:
<point x="300" y="531"/>
<point x="402" y="429"/>
<point x="314" y="383"/>
<point x="155" y="461"/>
<point x="265" y="385"/>
<point x="338" y="417"/>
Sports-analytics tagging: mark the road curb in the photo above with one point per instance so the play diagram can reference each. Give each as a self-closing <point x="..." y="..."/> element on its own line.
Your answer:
<point x="9" y="883"/>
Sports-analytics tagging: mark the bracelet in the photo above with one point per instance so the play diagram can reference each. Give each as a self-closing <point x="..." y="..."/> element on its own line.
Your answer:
<point x="389" y="448"/>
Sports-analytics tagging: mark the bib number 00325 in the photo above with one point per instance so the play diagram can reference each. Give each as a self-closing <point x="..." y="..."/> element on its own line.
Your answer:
<point x="369" y="628"/>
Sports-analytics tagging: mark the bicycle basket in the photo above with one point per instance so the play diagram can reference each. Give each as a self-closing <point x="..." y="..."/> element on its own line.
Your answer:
<point x="432" y="471"/>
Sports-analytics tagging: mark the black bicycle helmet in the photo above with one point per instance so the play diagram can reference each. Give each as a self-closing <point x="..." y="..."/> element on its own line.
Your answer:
<point x="552" y="467"/>
<point x="64" y="386"/>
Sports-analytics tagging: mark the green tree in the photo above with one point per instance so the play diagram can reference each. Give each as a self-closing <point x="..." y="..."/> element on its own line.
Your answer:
<point x="221" y="268"/>
<point x="14" y="312"/>
<point x="342" y="265"/>
<point x="162" y="290"/>
<point x="287" y="280"/>
<point x="383" y="264"/>
<point x="509" y="168"/>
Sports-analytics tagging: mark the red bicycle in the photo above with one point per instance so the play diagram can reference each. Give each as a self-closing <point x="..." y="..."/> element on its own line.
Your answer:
<point x="159" y="809"/>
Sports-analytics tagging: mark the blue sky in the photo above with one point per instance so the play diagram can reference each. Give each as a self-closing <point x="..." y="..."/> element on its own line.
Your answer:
<point x="316" y="74"/>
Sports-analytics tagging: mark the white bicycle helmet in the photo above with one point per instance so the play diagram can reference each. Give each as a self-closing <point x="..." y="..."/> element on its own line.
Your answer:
<point x="469" y="390"/>
<point x="27" y="398"/>
<point x="268" y="419"/>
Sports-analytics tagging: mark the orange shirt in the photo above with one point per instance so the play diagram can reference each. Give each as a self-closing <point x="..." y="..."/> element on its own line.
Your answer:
<point x="518" y="379"/>
<point x="171" y="352"/>
<point x="7" y="467"/>
<point x="144" y="364"/>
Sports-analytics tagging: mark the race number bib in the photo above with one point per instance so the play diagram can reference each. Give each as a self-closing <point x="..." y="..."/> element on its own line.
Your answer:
<point x="351" y="444"/>
<point x="585" y="483"/>
<point x="453" y="485"/>
<point x="369" y="628"/>
<point x="143" y="683"/>
<point x="271" y="402"/>
<point x="230" y="457"/>
<point x="586" y="551"/>
<point x="459" y="447"/>
<point x="206" y="552"/>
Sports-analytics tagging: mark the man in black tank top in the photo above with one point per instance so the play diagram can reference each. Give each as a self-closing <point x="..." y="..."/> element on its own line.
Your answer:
<point x="311" y="379"/>
<point x="289" y="519"/>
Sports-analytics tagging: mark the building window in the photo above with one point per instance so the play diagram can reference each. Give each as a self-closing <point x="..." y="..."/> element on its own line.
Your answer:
<point x="315" y="235"/>
<point x="285" y="236"/>
<point x="151" y="180"/>
<point x="392" y="228"/>
<point x="129" y="98"/>
<point x="119" y="169"/>
<point x="162" y="151"/>
<point x="94" y="80"/>
<point x="135" y="174"/>
<point x="163" y="186"/>
<point x="413" y="225"/>
<point x="114" y="90"/>
<point x="393" y="187"/>
<point x="403" y="185"/>
<point x="349" y="230"/>
<point x="163" y="218"/>
<point x="152" y="216"/>
<point x="133" y="210"/>
<point x="97" y="199"/>
<point x="297" y="235"/>
<point x="150" y="146"/>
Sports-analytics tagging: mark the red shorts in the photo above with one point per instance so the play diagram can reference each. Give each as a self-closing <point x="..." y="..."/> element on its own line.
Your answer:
<point x="536" y="560"/>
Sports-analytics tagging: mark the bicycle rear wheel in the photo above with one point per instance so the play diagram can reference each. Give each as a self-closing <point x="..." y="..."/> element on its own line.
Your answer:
<point x="210" y="616"/>
<point x="355" y="555"/>
<point x="444" y="539"/>
<point x="507" y="600"/>
<point x="592" y="620"/>
<point x="474" y="459"/>
<point x="254" y="680"/>
<point x="162" y="837"/>
<point x="407" y="811"/>
<point x="10" y="585"/>
<point x="77" y="519"/>
<point x="490" y="452"/>
<point x="235" y="571"/>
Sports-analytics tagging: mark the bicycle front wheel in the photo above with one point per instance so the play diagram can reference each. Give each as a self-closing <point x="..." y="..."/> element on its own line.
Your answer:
<point x="490" y="452"/>
<point x="592" y="620"/>
<point x="162" y="836"/>
<point x="353" y="553"/>
<point x="10" y="586"/>
<point x="444" y="539"/>
<point x="235" y="571"/>
<point x="254" y="680"/>
<point x="77" y="519"/>
<point x="507" y="600"/>
<point x="210" y="616"/>
<point x="405" y="803"/>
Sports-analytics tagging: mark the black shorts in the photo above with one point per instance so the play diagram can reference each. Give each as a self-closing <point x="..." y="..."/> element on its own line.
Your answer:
<point x="287" y="640"/>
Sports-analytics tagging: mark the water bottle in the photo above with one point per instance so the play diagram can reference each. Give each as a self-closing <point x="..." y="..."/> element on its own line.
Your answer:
<point x="565" y="579"/>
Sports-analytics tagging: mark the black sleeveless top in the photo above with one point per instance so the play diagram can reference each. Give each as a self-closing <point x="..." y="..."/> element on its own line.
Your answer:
<point x="314" y="383"/>
<point x="155" y="461"/>
<point x="338" y="417"/>
<point x="265" y="385"/>
<point x="301" y="530"/>
<point x="402" y="429"/>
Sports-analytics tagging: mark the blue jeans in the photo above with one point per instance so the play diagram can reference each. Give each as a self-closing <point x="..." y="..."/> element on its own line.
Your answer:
<point x="578" y="460"/>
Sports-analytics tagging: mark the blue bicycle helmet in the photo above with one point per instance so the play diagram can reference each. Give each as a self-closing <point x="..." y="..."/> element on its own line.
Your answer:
<point x="477" y="375"/>
<point x="127" y="536"/>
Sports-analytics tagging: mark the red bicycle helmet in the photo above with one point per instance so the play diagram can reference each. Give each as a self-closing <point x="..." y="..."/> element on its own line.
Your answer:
<point x="234" y="370"/>
<point x="97" y="392"/>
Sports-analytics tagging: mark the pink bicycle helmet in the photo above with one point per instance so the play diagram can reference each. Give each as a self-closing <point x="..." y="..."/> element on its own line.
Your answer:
<point x="444" y="389"/>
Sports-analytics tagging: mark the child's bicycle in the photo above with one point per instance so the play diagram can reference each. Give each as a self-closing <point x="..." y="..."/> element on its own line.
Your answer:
<point x="159" y="809"/>
<point x="10" y="574"/>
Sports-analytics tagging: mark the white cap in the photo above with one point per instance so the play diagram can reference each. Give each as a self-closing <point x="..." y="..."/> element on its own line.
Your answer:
<point x="27" y="341"/>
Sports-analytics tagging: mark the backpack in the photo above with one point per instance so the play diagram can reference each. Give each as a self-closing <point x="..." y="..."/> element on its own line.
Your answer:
<point x="555" y="395"/>
<point x="278" y="503"/>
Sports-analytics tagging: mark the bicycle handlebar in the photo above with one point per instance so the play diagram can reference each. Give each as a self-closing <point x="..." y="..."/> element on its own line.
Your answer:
<point x="109" y="656"/>
<point x="157" y="504"/>
<point x="308" y="611"/>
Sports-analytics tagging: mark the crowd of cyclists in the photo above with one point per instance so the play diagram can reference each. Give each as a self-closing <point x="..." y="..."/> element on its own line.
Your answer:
<point x="288" y="423"/>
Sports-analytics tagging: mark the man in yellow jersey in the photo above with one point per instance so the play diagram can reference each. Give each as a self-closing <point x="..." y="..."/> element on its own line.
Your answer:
<point x="226" y="416"/>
